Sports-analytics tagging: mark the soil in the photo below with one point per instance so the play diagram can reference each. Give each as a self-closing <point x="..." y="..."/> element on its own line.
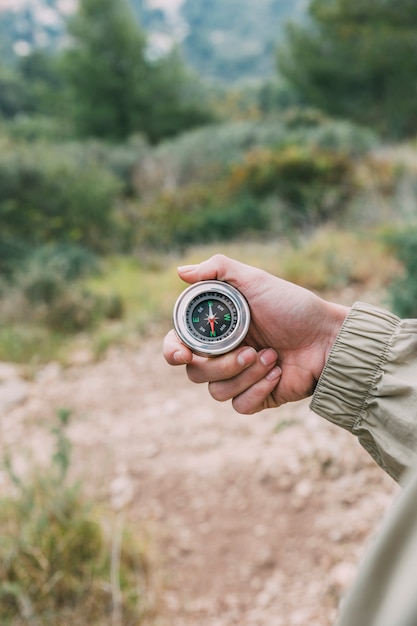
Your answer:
<point x="258" y="520"/>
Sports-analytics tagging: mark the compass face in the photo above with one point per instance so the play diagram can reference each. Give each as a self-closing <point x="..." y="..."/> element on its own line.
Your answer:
<point x="211" y="317"/>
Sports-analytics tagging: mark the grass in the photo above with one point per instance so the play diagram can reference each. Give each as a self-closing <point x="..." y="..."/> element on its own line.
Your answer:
<point x="329" y="259"/>
<point x="30" y="344"/>
<point x="58" y="562"/>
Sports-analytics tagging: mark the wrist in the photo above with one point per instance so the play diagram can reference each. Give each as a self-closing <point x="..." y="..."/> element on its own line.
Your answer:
<point x="334" y="319"/>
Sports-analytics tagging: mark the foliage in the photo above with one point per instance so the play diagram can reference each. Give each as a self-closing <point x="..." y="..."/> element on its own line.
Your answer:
<point x="45" y="286"/>
<point x="14" y="95"/>
<point x="51" y="193"/>
<point x="205" y="154"/>
<point x="56" y="563"/>
<point x="245" y="178"/>
<point x="245" y="51"/>
<point x="106" y="69"/>
<point x="403" y="290"/>
<point x="315" y="184"/>
<point x="40" y="72"/>
<point x="33" y="85"/>
<point x="356" y="59"/>
<point x="334" y="258"/>
<point x="37" y="127"/>
<point x="195" y="214"/>
<point x="117" y="91"/>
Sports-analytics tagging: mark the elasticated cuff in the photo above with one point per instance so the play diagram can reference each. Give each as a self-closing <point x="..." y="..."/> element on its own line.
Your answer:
<point x="355" y="364"/>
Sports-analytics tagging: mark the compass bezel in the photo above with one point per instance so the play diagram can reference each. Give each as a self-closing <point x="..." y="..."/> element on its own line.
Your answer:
<point x="220" y="345"/>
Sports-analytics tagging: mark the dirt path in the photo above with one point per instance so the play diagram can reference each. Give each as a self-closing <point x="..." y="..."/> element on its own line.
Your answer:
<point x="259" y="520"/>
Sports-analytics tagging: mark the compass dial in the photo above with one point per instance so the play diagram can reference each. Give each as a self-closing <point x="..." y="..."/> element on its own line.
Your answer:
<point x="211" y="317"/>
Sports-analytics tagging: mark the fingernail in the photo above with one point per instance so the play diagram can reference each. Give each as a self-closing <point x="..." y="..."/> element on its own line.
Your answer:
<point x="268" y="357"/>
<point x="246" y="357"/>
<point x="186" y="268"/>
<point x="179" y="357"/>
<point x="274" y="374"/>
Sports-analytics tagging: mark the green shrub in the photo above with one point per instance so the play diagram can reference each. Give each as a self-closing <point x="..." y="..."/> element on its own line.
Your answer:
<point x="57" y="564"/>
<point x="37" y="127"/>
<point x="344" y="137"/>
<point x="315" y="184"/>
<point x="12" y="252"/>
<point x="47" y="270"/>
<point x="119" y="159"/>
<point x="205" y="153"/>
<point x="196" y="214"/>
<point x="52" y="193"/>
<point x="403" y="291"/>
<point x="47" y="287"/>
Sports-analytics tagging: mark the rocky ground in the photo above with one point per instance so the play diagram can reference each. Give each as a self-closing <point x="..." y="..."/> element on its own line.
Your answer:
<point x="255" y="520"/>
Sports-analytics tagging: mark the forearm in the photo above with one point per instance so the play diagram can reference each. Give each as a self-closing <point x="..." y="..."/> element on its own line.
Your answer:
<point x="369" y="385"/>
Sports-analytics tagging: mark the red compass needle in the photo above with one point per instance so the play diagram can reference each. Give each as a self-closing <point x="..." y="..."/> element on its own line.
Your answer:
<point x="211" y="318"/>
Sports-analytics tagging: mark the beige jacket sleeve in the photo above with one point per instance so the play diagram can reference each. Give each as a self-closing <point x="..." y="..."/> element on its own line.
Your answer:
<point x="369" y="385"/>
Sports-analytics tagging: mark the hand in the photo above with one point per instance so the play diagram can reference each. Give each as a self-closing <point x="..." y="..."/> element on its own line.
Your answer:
<point x="290" y="336"/>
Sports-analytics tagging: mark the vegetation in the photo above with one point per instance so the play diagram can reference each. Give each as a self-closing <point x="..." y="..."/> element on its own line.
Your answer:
<point x="355" y="59"/>
<point x="116" y="165"/>
<point x="100" y="163"/>
<point x="403" y="291"/>
<point x="64" y="194"/>
<point x="228" y="41"/>
<point x="57" y="564"/>
<point x="116" y="90"/>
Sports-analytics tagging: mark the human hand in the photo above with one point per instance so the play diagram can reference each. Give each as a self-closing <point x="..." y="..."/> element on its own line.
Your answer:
<point x="290" y="336"/>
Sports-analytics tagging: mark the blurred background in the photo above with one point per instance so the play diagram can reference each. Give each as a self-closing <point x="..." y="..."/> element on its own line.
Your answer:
<point x="135" y="136"/>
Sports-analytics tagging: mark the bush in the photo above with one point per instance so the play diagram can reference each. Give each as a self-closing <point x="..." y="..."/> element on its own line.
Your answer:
<point x="46" y="287"/>
<point x="46" y="271"/>
<point x="57" y="565"/>
<point x="12" y="252"/>
<point x="56" y="194"/>
<point x="198" y="214"/>
<point x="203" y="153"/>
<point x="403" y="291"/>
<point x="37" y="128"/>
<point x="315" y="184"/>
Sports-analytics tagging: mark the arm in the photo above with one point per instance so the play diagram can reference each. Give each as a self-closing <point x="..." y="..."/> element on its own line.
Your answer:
<point x="360" y="363"/>
<point x="369" y="385"/>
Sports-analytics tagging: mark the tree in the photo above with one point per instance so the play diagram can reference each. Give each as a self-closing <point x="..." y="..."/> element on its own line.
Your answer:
<point x="117" y="89"/>
<point x="41" y="75"/>
<point x="14" y="95"/>
<point x="357" y="59"/>
<point x="106" y="69"/>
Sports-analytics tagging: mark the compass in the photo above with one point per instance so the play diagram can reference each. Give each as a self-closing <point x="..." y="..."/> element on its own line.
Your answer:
<point x="211" y="317"/>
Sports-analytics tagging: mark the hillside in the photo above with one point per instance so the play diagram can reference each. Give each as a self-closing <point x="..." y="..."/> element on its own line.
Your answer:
<point x="226" y="41"/>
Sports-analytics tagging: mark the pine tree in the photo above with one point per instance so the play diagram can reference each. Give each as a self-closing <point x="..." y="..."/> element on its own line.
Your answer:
<point x="106" y="69"/>
<point x="357" y="59"/>
<point x="117" y="90"/>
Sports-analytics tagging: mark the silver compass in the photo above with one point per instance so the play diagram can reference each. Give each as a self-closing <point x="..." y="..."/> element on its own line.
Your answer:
<point x="211" y="317"/>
